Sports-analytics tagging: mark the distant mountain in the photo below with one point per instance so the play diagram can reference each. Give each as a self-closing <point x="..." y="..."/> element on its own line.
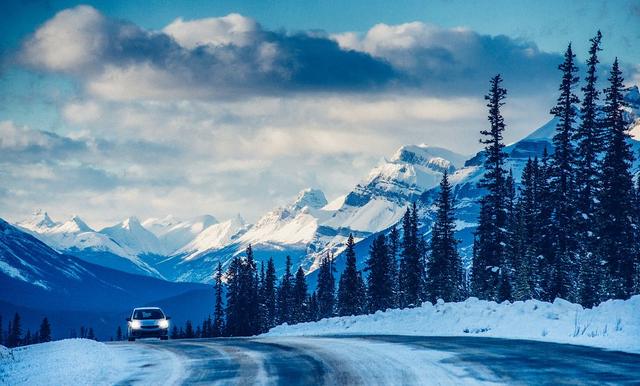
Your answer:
<point x="40" y="281"/>
<point x="174" y="233"/>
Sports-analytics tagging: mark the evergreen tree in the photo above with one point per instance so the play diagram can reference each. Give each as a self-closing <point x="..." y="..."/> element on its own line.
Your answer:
<point x="325" y="292"/>
<point x="45" y="331"/>
<point x="411" y="275"/>
<point x="285" y="295"/>
<point x="188" y="330"/>
<point x="393" y="243"/>
<point x="118" y="333"/>
<point x="299" y="298"/>
<point x="589" y="144"/>
<point x="269" y="295"/>
<point x="218" y="312"/>
<point x="562" y="184"/>
<point x="491" y="234"/>
<point x="90" y="334"/>
<point x="233" y="309"/>
<point x="198" y="333"/>
<point x="27" y="339"/>
<point x="248" y="296"/>
<point x="381" y="280"/>
<point x="512" y="250"/>
<point x="175" y="334"/>
<point x="14" y="336"/>
<point x="1" y="331"/>
<point x="615" y="227"/>
<point x="545" y="268"/>
<point x="351" y="285"/>
<point x="312" y="315"/>
<point x="445" y="266"/>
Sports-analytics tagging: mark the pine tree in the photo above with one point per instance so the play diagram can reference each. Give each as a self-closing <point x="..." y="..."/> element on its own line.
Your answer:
<point x="218" y="312"/>
<point x="233" y="310"/>
<point x="616" y="230"/>
<point x="119" y="335"/>
<point x="299" y="298"/>
<point x="491" y="234"/>
<point x="350" y="287"/>
<point x="188" y="330"/>
<point x="27" y="339"/>
<point x="312" y="315"/>
<point x="381" y="278"/>
<point x="325" y="292"/>
<point x="285" y="294"/>
<point x="562" y="184"/>
<point x="90" y="334"/>
<point x="45" y="331"/>
<point x="15" y="331"/>
<point x="269" y="295"/>
<point x="248" y="296"/>
<point x="411" y="275"/>
<point x="445" y="266"/>
<point x="512" y="250"/>
<point x="393" y="243"/>
<point x="198" y="332"/>
<point x="175" y="334"/>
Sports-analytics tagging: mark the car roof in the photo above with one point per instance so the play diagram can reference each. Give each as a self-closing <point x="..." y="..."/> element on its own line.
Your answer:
<point x="147" y="308"/>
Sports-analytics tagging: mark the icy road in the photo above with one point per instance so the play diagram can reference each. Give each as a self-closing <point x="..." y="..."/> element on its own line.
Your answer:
<point x="380" y="360"/>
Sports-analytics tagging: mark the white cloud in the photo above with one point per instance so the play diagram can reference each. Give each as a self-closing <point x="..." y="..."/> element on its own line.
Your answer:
<point x="72" y="40"/>
<point x="82" y="112"/>
<point x="231" y="29"/>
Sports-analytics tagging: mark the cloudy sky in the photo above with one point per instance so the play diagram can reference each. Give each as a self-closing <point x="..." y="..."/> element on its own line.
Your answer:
<point x="110" y="109"/>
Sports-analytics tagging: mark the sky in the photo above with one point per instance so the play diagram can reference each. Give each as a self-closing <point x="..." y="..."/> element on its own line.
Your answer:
<point x="110" y="109"/>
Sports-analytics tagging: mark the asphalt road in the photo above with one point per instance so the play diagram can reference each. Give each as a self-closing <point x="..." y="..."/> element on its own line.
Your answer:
<point x="396" y="360"/>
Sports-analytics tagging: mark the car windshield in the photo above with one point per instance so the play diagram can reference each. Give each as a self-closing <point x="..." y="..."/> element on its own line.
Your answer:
<point x="148" y="314"/>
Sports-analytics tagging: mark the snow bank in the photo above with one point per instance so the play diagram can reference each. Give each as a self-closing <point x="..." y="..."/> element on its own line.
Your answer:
<point x="614" y="324"/>
<point x="64" y="362"/>
<point x="85" y="362"/>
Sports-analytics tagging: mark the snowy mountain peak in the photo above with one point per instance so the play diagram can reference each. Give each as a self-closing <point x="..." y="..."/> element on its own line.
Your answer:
<point x="434" y="158"/>
<point x="75" y="225"/>
<point x="131" y="223"/>
<point x="38" y="220"/>
<point x="312" y="198"/>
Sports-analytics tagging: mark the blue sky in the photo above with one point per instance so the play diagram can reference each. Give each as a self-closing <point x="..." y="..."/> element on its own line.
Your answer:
<point x="185" y="108"/>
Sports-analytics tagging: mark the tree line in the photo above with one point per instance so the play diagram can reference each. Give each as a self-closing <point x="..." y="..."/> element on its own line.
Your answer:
<point x="570" y="230"/>
<point x="14" y="336"/>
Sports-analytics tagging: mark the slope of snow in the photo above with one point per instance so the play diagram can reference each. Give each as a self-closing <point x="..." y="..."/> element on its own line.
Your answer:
<point x="136" y="237"/>
<point x="614" y="324"/>
<point x="174" y="233"/>
<point x="214" y="237"/>
<point x="86" y="362"/>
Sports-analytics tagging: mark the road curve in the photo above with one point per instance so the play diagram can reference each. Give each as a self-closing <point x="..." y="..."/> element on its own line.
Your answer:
<point x="388" y="360"/>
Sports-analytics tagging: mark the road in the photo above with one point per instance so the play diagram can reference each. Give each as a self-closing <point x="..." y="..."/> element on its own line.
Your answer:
<point x="381" y="360"/>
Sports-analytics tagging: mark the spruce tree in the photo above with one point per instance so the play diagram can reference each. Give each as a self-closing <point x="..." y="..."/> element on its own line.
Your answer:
<point x="90" y="334"/>
<point x="491" y="234"/>
<point x="269" y="295"/>
<point x="175" y="334"/>
<point x="393" y="243"/>
<point x="512" y="250"/>
<point x="15" y="331"/>
<point x="119" y="335"/>
<point x="218" y="312"/>
<point x="444" y="269"/>
<point x="285" y="294"/>
<point x="312" y="315"/>
<point x="351" y="286"/>
<point x="188" y="330"/>
<point x="381" y="278"/>
<point x="411" y="275"/>
<point x="233" y="313"/>
<point x="615" y="214"/>
<point x="325" y="292"/>
<point x="45" y="331"/>
<point x="299" y="298"/>
<point x="562" y="184"/>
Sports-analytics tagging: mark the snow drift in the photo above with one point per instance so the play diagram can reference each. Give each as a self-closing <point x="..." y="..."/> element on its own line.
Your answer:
<point x="614" y="324"/>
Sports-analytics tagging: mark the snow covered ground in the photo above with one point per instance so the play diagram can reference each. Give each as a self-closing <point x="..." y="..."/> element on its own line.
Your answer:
<point x="87" y="362"/>
<point x="614" y="324"/>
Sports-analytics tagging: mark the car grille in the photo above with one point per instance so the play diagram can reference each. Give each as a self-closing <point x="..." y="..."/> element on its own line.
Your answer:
<point x="148" y="327"/>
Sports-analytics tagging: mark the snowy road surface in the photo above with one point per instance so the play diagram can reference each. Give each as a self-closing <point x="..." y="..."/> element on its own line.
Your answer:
<point x="380" y="360"/>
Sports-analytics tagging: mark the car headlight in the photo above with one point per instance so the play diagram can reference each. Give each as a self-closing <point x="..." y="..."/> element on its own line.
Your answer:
<point x="135" y="324"/>
<point x="164" y="323"/>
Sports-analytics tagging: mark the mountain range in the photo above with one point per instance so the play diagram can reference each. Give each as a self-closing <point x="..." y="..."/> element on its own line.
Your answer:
<point x="307" y="228"/>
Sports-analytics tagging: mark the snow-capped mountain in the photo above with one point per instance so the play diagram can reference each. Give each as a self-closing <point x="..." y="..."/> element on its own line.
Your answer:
<point x="174" y="233"/>
<point x="77" y="238"/>
<point x="131" y="233"/>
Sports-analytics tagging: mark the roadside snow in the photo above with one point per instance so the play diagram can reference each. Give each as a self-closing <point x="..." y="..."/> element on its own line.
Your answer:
<point x="614" y="324"/>
<point x="82" y="362"/>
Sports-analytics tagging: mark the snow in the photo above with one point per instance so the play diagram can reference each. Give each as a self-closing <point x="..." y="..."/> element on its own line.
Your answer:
<point x="132" y="234"/>
<point x="214" y="237"/>
<point x="84" y="362"/>
<point x="614" y="324"/>
<point x="174" y="233"/>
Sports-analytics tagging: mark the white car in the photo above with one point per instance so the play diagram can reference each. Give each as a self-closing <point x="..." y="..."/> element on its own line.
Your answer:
<point x="148" y="322"/>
